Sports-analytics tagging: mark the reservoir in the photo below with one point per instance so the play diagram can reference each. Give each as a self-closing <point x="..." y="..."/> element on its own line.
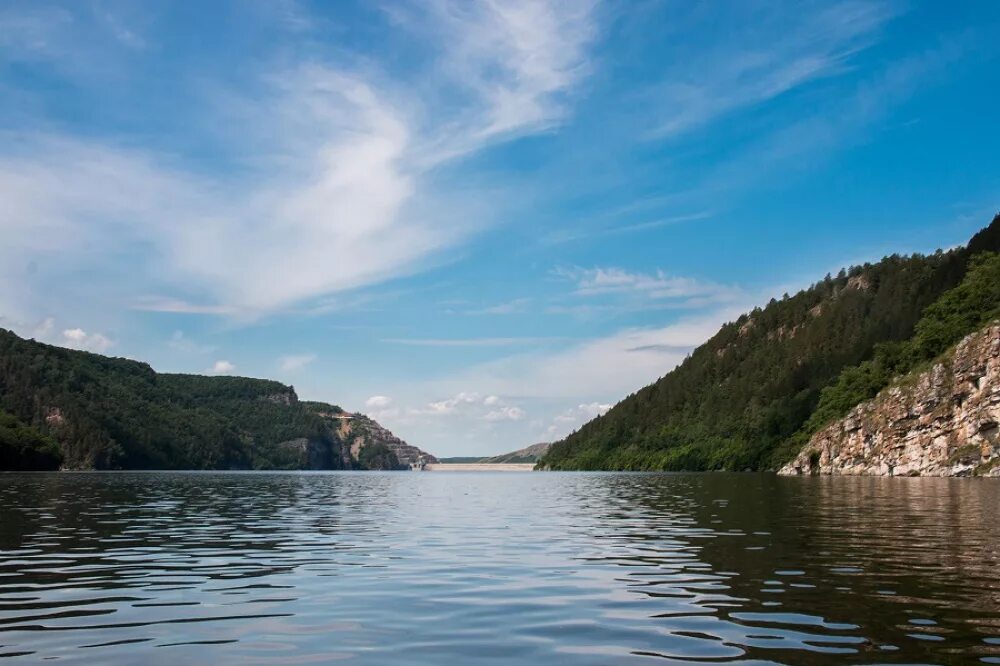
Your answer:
<point x="497" y="568"/>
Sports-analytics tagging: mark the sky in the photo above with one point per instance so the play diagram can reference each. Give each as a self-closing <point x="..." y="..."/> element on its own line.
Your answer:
<point x="481" y="223"/>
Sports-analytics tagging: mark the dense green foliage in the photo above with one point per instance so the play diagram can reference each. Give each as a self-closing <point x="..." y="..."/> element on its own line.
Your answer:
<point x="738" y="400"/>
<point x="957" y="313"/>
<point x="25" y="448"/>
<point x="109" y="413"/>
<point x="378" y="456"/>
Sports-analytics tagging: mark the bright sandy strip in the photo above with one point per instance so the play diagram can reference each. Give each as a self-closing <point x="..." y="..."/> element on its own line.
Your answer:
<point x="481" y="467"/>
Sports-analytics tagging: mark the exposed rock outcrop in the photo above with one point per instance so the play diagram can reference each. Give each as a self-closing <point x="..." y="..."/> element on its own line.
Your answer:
<point x="944" y="421"/>
<point x="356" y="431"/>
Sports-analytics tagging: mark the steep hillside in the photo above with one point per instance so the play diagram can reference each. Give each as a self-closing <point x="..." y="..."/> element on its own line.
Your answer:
<point x="740" y="398"/>
<point x="25" y="448"/>
<point x="939" y="414"/>
<point x="944" y="421"/>
<point x="113" y="413"/>
<point x="374" y="446"/>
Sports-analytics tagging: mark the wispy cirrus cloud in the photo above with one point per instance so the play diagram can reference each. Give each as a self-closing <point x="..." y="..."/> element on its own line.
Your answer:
<point x="604" y="281"/>
<point x="513" y="306"/>
<point x="767" y="53"/>
<point x="342" y="190"/>
<point x="472" y="342"/>
<point x="516" y="63"/>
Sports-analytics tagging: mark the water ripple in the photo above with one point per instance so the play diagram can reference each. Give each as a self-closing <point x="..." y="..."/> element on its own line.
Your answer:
<point x="497" y="568"/>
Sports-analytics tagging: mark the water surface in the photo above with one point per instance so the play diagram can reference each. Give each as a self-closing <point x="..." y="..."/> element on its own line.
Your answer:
<point x="505" y="568"/>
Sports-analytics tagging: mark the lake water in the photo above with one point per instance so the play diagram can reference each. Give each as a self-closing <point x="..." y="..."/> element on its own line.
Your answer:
<point x="494" y="568"/>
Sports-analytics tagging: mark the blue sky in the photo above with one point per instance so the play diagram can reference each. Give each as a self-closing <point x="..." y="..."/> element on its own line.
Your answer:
<point x="481" y="223"/>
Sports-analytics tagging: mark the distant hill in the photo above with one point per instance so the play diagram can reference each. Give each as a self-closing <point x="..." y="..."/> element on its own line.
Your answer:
<point x="751" y="396"/>
<point x="530" y="454"/>
<point x="114" y="413"/>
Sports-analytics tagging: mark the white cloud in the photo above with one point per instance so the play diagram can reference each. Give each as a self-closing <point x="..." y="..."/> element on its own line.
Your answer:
<point x="599" y="369"/>
<point x="177" y="306"/>
<point x="77" y="338"/>
<point x="505" y="414"/>
<point x="515" y="306"/>
<point x="380" y="407"/>
<point x="449" y="405"/>
<point x="574" y="417"/>
<point x="762" y="56"/>
<point x="182" y="343"/>
<point x="539" y="396"/>
<point x="378" y="402"/>
<point x="221" y="367"/>
<point x="341" y="192"/>
<point x="471" y="342"/>
<point x="295" y="362"/>
<point x="44" y="329"/>
<point x="517" y="62"/>
<point x="658" y="285"/>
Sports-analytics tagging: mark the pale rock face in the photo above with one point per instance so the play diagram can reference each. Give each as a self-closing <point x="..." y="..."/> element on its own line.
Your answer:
<point x="942" y="422"/>
<point x="359" y="431"/>
<point x="54" y="417"/>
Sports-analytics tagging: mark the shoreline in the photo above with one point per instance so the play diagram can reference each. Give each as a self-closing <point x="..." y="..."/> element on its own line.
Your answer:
<point x="480" y="467"/>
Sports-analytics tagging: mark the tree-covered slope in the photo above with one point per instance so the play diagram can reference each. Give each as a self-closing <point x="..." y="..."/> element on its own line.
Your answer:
<point x="111" y="413"/>
<point x="25" y="448"/>
<point x="738" y="400"/>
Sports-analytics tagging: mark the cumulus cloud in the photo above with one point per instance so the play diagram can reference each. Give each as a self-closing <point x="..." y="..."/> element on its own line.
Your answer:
<point x="470" y="404"/>
<point x="378" y="402"/>
<point x="574" y="417"/>
<point x="221" y="367"/>
<point x="604" y="367"/>
<point x="381" y="407"/>
<point x="77" y="338"/>
<point x="450" y="405"/>
<point x="505" y="414"/>
<point x="295" y="362"/>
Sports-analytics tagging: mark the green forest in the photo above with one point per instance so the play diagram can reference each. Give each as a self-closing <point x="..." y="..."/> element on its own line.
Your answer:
<point x="751" y="396"/>
<point x="25" y="448"/>
<point x="86" y="411"/>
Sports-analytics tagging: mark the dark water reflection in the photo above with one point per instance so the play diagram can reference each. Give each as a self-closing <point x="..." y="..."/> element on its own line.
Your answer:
<point x="438" y="568"/>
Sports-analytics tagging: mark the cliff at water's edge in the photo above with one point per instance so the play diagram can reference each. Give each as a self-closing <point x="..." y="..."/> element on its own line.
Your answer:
<point x="944" y="421"/>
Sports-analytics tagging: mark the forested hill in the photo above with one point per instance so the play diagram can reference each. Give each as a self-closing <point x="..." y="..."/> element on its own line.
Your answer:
<point x="744" y="399"/>
<point x="86" y="411"/>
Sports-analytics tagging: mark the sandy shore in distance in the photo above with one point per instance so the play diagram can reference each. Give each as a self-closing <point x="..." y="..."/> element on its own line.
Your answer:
<point x="480" y="467"/>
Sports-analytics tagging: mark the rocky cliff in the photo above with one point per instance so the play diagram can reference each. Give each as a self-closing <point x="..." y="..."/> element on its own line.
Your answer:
<point x="944" y="421"/>
<point x="357" y="431"/>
